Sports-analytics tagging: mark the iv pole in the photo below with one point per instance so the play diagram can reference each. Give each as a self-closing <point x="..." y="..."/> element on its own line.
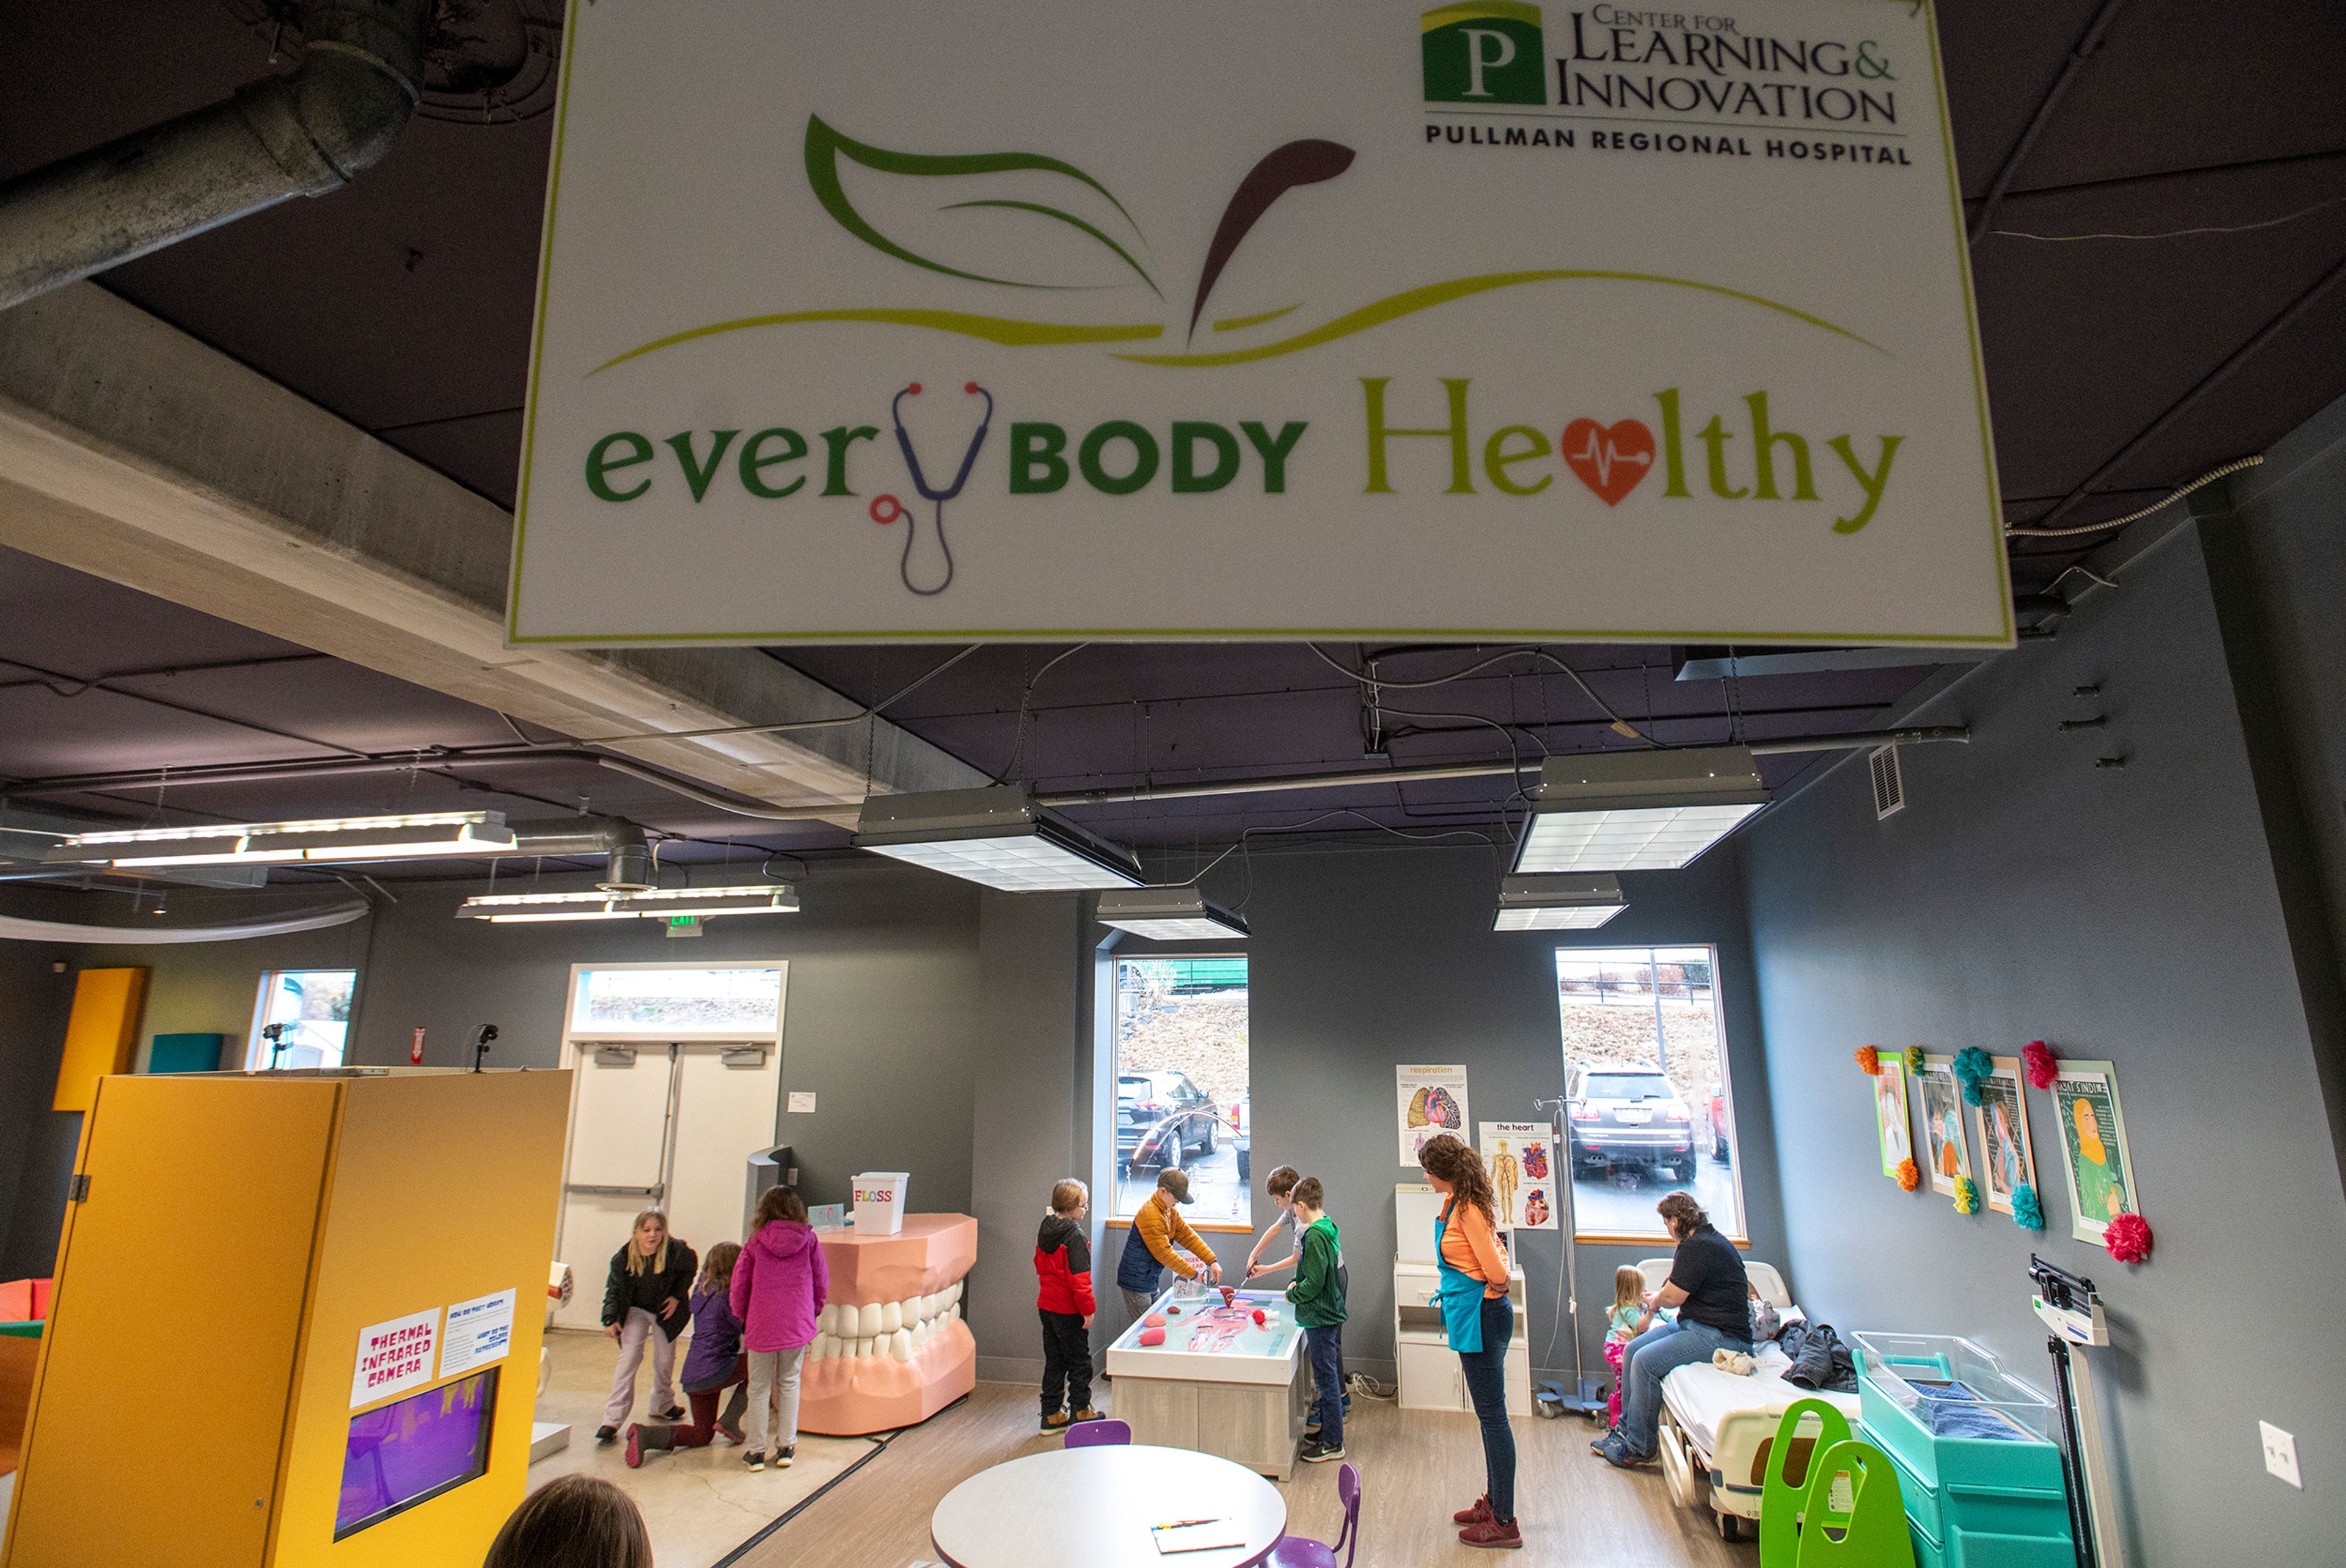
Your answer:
<point x="1578" y="1399"/>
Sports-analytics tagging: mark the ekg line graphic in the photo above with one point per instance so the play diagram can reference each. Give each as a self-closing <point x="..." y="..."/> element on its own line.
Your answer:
<point x="1604" y="455"/>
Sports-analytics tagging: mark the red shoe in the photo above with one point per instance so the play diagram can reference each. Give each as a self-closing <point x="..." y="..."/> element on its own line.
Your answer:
<point x="635" y="1448"/>
<point x="730" y="1434"/>
<point x="1476" y="1514"/>
<point x="1491" y="1533"/>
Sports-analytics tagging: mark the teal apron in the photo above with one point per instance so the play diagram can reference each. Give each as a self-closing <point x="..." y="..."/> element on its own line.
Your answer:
<point x="1459" y="1294"/>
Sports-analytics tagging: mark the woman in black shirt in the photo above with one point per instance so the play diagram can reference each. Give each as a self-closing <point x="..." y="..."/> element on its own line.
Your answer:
<point x="1708" y="1287"/>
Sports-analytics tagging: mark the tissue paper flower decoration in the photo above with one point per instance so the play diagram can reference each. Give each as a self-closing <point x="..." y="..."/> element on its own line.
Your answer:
<point x="1869" y="1059"/>
<point x="1914" y="1058"/>
<point x="2038" y="1061"/>
<point x="1972" y="1066"/>
<point x="2128" y="1236"/>
<point x="2026" y="1212"/>
<point x="1909" y="1177"/>
<point x="1966" y="1196"/>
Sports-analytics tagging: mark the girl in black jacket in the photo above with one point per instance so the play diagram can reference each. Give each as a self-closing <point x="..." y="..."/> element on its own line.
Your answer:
<point x="651" y="1281"/>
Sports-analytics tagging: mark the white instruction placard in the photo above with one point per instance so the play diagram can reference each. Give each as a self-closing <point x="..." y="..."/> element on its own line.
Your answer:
<point x="479" y="1331"/>
<point x="394" y="1357"/>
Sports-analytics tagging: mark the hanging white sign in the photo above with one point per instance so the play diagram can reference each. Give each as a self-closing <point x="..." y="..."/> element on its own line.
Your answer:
<point x="1255" y="319"/>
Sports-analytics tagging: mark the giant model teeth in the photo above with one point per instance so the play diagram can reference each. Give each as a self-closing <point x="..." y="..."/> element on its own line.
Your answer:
<point x="890" y="1348"/>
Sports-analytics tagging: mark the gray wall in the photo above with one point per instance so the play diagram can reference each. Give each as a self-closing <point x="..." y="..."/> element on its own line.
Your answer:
<point x="2129" y="914"/>
<point x="33" y="1004"/>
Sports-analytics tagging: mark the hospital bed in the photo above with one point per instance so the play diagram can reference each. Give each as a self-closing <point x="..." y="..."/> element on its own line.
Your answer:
<point x="1716" y="1429"/>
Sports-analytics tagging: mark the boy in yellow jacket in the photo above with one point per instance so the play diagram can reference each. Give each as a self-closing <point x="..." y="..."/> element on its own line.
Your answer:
<point x="1156" y="1229"/>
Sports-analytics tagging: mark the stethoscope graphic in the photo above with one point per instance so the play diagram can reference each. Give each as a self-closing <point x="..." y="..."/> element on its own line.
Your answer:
<point x="897" y="509"/>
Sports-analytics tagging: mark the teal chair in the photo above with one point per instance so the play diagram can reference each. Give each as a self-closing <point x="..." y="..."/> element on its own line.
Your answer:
<point x="1783" y="1495"/>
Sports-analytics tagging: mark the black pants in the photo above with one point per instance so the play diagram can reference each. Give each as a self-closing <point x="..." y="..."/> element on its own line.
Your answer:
<point x="1067" y="1362"/>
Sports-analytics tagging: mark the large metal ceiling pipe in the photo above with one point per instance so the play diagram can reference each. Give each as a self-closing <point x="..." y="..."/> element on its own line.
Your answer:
<point x="1864" y="740"/>
<point x="304" y="132"/>
<point x="627" y="866"/>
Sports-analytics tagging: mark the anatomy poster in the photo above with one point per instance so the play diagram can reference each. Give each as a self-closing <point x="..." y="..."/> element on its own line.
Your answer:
<point x="2093" y="1142"/>
<point x="2006" y="1158"/>
<point x="1521" y="1158"/>
<point x="1942" y="1122"/>
<point x="1890" y="1115"/>
<point x="1430" y="1101"/>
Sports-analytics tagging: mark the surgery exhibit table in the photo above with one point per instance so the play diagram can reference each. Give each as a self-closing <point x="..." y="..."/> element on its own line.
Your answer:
<point x="1096" y="1507"/>
<point x="1219" y="1382"/>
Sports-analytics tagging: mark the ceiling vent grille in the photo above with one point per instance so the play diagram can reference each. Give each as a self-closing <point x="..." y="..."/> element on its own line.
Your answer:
<point x="1889" y="784"/>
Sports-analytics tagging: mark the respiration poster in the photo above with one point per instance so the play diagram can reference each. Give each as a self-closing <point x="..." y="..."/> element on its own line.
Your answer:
<point x="1521" y="1159"/>
<point x="2094" y="1148"/>
<point x="1429" y="1101"/>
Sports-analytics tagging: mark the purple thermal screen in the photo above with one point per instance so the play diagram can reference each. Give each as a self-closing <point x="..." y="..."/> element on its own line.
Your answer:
<point x="405" y="1450"/>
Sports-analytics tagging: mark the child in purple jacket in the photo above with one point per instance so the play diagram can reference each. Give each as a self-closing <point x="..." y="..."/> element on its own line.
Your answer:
<point x="780" y="1283"/>
<point x="713" y="1365"/>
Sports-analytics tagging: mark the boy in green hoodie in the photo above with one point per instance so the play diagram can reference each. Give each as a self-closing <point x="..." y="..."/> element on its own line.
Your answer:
<point x="1317" y="1295"/>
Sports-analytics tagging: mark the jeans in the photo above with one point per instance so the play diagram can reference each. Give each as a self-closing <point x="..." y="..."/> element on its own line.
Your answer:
<point x="1653" y="1355"/>
<point x="1327" y="1348"/>
<point x="767" y="1368"/>
<point x="1486" y="1385"/>
<point x="640" y="1329"/>
<point x="1067" y="1362"/>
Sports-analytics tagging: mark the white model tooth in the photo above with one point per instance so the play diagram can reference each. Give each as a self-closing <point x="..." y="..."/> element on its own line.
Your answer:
<point x="825" y="1318"/>
<point x="920" y="1333"/>
<point x="820" y="1349"/>
<point x="953" y="1294"/>
<point x="867" y="1320"/>
<point x="858" y="1347"/>
<point x="954" y="1312"/>
<point x="900" y="1345"/>
<point x="929" y="1305"/>
<point x="891" y="1316"/>
<point x="911" y="1311"/>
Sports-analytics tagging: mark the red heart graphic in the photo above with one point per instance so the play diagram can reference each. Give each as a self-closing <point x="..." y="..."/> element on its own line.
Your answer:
<point x="1612" y="462"/>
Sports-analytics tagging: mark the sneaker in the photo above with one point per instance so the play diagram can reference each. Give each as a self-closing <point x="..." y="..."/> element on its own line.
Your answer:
<point x="730" y="1434"/>
<point x="1491" y="1533"/>
<point x="1475" y="1515"/>
<point x="1318" y="1451"/>
<point x="1598" y="1445"/>
<point x="673" y="1413"/>
<point x="1085" y="1414"/>
<point x="607" y="1434"/>
<point x="782" y="1457"/>
<point x="755" y="1459"/>
<point x="1311" y="1429"/>
<point x="635" y="1448"/>
<point x="1056" y="1420"/>
<point x="1621" y="1456"/>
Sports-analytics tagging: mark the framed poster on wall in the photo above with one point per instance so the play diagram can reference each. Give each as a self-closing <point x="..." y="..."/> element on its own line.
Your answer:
<point x="2099" y="1167"/>
<point x="1521" y="1158"/>
<point x="1427" y="1102"/>
<point x="1890" y="1116"/>
<point x="1942" y="1122"/>
<point x="2007" y="1159"/>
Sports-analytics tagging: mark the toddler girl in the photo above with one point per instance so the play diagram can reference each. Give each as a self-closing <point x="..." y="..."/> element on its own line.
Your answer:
<point x="1630" y="1317"/>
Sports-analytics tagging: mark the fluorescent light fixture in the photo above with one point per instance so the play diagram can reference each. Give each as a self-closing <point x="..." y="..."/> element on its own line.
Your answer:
<point x="997" y="837"/>
<point x="410" y="836"/>
<point x="656" y="903"/>
<point x="1170" y="914"/>
<point x="1557" y="903"/>
<point x="1636" y="810"/>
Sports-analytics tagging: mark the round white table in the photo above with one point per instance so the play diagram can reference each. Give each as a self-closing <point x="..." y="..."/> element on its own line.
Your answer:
<point x="1092" y="1508"/>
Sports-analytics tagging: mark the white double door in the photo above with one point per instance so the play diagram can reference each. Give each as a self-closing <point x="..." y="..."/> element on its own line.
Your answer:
<point x="659" y="1126"/>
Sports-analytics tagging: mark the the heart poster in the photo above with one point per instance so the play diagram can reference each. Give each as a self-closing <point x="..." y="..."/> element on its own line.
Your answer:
<point x="1430" y="1101"/>
<point x="1521" y="1159"/>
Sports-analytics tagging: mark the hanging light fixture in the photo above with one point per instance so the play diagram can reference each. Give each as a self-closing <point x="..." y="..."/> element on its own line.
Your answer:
<point x="1556" y="902"/>
<point x="997" y="837"/>
<point x="413" y="835"/>
<point x="1636" y="810"/>
<point x="656" y="903"/>
<point x="1170" y="914"/>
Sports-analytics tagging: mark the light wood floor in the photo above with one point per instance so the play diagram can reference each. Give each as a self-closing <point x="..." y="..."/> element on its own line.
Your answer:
<point x="1415" y="1467"/>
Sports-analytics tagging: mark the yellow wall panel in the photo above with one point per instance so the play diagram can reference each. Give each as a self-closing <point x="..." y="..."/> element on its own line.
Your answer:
<point x="102" y="1033"/>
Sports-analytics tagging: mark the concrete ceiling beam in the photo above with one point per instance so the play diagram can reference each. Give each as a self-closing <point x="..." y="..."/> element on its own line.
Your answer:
<point x="130" y="451"/>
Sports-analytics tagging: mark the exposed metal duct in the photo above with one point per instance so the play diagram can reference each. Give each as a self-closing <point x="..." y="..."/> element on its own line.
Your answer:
<point x="304" y="132"/>
<point x="628" y="865"/>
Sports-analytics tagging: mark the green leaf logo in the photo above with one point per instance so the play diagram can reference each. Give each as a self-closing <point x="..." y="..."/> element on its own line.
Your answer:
<point x="825" y="147"/>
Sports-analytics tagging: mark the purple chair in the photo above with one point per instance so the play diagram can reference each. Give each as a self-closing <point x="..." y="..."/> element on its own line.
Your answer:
<point x="1094" y="1434"/>
<point x="1297" y="1551"/>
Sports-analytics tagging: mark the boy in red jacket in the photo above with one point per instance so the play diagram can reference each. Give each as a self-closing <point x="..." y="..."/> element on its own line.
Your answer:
<point x="1063" y="1260"/>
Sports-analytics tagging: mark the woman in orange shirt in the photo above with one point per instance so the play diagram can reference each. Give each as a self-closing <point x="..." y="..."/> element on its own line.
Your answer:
<point x="1479" y="1320"/>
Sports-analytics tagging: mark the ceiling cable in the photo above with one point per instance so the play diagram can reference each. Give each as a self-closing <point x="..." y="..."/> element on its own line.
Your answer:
<point x="2209" y="478"/>
<point x="1620" y="726"/>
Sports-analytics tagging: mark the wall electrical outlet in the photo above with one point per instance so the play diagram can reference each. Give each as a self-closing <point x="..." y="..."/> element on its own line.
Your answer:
<point x="2281" y="1453"/>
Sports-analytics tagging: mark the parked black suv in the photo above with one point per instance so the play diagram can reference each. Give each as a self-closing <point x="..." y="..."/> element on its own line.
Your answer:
<point x="1161" y="1119"/>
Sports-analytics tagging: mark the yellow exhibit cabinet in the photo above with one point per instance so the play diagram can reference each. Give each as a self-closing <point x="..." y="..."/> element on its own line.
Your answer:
<point x="296" y="1320"/>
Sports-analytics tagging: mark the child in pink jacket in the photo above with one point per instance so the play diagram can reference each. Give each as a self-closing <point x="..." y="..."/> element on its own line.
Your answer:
<point x="780" y="1283"/>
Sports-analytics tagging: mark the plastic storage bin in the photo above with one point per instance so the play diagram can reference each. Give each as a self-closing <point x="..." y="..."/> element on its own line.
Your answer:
<point x="1974" y="1499"/>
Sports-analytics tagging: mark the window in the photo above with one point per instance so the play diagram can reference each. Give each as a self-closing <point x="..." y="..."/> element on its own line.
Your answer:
<point x="1647" y="1108"/>
<point x="314" y="1006"/>
<point x="1181" y="1083"/>
<point x="671" y="1002"/>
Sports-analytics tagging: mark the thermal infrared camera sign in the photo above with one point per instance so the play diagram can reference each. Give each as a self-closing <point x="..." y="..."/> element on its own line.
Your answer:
<point x="895" y="320"/>
<point x="395" y="1357"/>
